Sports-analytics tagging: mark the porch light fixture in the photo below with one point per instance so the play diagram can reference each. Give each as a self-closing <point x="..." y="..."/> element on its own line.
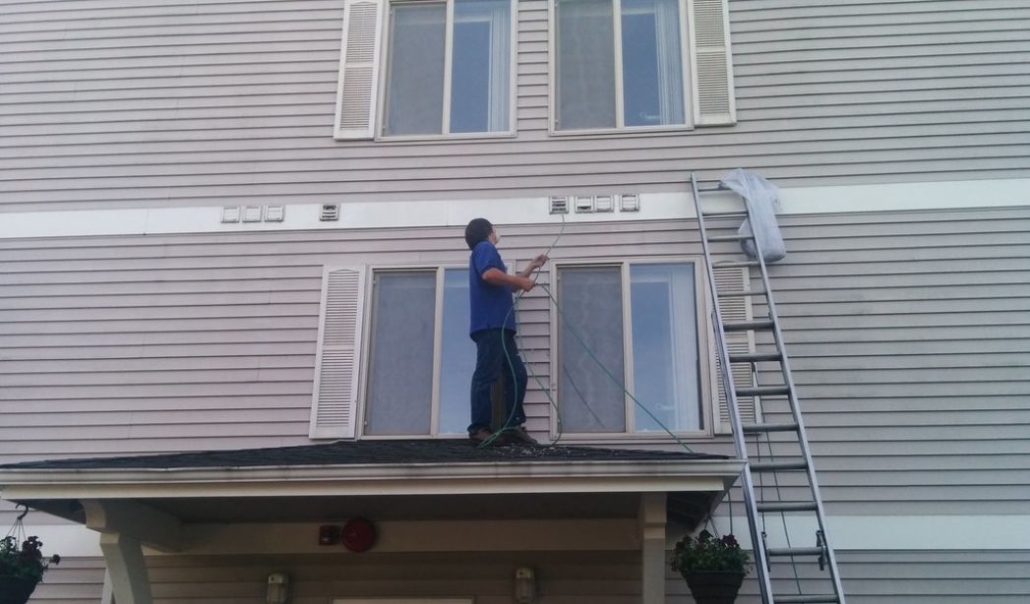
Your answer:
<point x="278" y="588"/>
<point x="525" y="586"/>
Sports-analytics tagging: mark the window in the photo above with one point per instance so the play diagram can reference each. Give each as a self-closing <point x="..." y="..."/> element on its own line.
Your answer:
<point x="628" y="64"/>
<point x="417" y="318"/>
<point x="443" y="66"/>
<point x="593" y="92"/>
<point x="640" y="321"/>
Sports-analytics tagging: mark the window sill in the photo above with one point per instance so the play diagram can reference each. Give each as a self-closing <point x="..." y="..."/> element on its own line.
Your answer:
<point x="622" y="132"/>
<point x="443" y="138"/>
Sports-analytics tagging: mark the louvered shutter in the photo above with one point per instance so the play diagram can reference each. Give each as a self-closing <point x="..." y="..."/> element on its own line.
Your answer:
<point x="335" y="399"/>
<point x="735" y="310"/>
<point x="359" y="69"/>
<point x="711" y="62"/>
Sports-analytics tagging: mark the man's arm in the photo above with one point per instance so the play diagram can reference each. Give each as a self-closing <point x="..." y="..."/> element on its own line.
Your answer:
<point x="495" y="276"/>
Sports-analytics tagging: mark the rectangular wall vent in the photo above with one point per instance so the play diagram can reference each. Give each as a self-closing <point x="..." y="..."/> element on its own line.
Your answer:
<point x="559" y="205"/>
<point x="330" y="212"/>
<point x="584" y="204"/>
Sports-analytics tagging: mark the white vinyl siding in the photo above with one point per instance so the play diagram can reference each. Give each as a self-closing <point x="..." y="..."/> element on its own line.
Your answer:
<point x="188" y="104"/>
<point x="336" y="384"/>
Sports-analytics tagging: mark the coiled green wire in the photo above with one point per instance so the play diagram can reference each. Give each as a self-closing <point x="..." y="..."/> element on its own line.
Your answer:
<point x="590" y="353"/>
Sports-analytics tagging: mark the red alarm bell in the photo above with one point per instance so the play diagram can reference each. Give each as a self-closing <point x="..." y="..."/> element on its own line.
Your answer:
<point x="359" y="534"/>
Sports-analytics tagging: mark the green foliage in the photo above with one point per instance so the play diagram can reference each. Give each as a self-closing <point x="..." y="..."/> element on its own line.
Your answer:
<point x="706" y="553"/>
<point x="25" y="562"/>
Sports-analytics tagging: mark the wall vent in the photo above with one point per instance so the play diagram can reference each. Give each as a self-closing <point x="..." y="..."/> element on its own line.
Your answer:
<point x="584" y="204"/>
<point x="330" y="212"/>
<point x="559" y="205"/>
<point x="629" y="203"/>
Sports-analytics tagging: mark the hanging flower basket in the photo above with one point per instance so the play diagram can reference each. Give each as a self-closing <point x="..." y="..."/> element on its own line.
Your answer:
<point x="16" y="591"/>
<point x="714" y="587"/>
<point x="713" y="568"/>
<point x="22" y="566"/>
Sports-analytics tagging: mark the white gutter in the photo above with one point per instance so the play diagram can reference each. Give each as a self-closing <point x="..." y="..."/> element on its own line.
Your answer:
<point x="372" y="479"/>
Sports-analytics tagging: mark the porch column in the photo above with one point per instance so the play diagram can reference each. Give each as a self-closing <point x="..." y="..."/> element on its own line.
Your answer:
<point x="652" y="531"/>
<point x="124" y="558"/>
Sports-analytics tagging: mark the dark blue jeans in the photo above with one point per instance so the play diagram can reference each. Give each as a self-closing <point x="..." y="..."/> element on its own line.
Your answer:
<point x="491" y="363"/>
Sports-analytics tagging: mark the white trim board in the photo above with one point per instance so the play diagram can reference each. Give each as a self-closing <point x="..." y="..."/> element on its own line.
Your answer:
<point x="854" y="533"/>
<point x="927" y="196"/>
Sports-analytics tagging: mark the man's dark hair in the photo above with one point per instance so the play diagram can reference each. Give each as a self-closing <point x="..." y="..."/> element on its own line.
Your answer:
<point x="477" y="231"/>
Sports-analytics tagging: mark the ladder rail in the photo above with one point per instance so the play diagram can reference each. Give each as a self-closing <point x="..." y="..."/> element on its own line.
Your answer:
<point x="761" y="553"/>
<point x="761" y="561"/>
<point x="795" y="409"/>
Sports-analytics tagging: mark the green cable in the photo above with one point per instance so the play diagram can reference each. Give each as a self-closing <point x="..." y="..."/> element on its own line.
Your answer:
<point x="612" y="376"/>
<point x="511" y="365"/>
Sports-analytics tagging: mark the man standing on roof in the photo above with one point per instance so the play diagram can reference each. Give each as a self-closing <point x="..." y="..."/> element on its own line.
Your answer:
<point x="492" y="328"/>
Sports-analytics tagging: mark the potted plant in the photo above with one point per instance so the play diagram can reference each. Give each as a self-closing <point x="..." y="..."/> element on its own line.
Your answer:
<point x="714" y="568"/>
<point x="21" y="568"/>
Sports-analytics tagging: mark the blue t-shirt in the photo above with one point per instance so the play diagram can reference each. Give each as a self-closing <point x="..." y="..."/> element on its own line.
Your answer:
<point x="491" y="305"/>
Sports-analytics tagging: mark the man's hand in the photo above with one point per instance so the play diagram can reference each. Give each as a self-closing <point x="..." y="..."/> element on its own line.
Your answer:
<point x="533" y="265"/>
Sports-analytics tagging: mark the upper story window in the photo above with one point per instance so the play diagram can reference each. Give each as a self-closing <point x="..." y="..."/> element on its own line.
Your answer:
<point x="635" y="65"/>
<point x="449" y="67"/>
<point x="446" y="68"/>
<point x="619" y="64"/>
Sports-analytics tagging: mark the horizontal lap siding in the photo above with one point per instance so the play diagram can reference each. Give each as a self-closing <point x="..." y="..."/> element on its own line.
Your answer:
<point x="178" y="104"/>
<point x="899" y="577"/>
<point x="565" y="577"/>
<point x="908" y="334"/>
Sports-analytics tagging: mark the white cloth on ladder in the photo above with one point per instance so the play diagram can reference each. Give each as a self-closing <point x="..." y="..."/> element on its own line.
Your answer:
<point x="762" y="199"/>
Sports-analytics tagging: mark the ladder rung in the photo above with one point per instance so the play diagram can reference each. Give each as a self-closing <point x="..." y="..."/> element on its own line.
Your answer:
<point x="763" y="390"/>
<point x="765" y="428"/>
<point x="735" y="264"/>
<point x="778" y="552"/>
<point x="786" y="506"/>
<point x="748" y="325"/>
<point x="777" y="466"/>
<point x="823" y="599"/>
<point x="731" y="238"/>
<point x="717" y="215"/>
<point x="755" y="357"/>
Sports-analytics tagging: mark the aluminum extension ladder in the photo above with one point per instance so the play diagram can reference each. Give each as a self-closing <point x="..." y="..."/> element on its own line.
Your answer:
<point x="789" y="433"/>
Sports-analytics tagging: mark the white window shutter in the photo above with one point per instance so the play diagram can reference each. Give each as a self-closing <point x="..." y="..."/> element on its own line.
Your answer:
<point x="711" y="63"/>
<point x="359" y="69"/>
<point x="735" y="310"/>
<point x="334" y="405"/>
